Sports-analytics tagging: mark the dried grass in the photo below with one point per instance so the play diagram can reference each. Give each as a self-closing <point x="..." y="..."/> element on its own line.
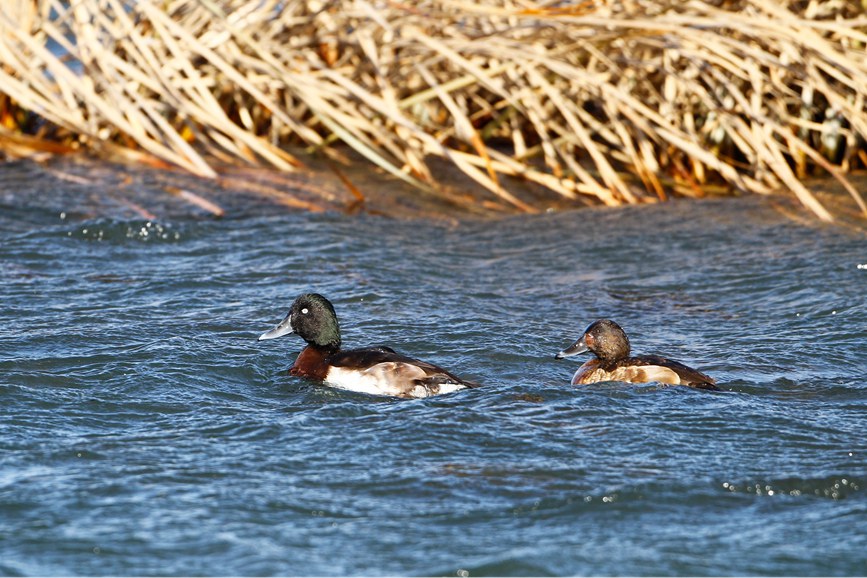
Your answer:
<point x="620" y="101"/>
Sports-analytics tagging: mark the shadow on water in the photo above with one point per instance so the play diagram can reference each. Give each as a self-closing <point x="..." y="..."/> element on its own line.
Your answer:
<point x="145" y="431"/>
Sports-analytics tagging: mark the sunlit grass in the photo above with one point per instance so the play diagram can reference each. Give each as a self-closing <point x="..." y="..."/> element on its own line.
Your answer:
<point x="619" y="101"/>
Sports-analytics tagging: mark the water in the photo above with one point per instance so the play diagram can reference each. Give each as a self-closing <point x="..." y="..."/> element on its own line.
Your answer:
<point x="145" y="431"/>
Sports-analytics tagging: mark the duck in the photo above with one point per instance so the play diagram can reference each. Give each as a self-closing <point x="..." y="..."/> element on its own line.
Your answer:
<point x="377" y="370"/>
<point x="608" y="342"/>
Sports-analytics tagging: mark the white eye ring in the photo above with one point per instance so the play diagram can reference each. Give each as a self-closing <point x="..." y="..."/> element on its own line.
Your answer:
<point x="304" y="311"/>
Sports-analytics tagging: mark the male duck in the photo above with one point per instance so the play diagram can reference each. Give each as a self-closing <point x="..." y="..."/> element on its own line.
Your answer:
<point x="374" y="370"/>
<point x="608" y="342"/>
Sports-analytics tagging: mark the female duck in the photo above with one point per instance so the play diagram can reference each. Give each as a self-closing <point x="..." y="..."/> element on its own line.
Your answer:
<point x="608" y="342"/>
<point x="374" y="370"/>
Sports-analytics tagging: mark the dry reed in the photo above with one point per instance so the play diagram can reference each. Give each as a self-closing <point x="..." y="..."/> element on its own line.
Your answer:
<point x="620" y="101"/>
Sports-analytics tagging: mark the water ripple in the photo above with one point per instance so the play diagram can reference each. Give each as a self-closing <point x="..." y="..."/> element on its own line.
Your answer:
<point x="146" y="431"/>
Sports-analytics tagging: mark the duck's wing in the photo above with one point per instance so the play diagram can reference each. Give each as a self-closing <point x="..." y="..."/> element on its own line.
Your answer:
<point x="381" y="368"/>
<point x="688" y="376"/>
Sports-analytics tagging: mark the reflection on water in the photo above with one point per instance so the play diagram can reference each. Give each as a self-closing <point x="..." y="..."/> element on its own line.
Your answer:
<point x="145" y="431"/>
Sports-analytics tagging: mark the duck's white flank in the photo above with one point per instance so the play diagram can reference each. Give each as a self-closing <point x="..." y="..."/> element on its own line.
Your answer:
<point x="591" y="373"/>
<point x="390" y="378"/>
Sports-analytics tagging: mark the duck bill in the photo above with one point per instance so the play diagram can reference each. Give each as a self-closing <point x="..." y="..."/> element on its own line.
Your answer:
<point x="283" y="328"/>
<point x="579" y="346"/>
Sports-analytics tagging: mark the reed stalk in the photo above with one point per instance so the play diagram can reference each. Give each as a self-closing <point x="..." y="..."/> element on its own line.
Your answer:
<point x="604" y="100"/>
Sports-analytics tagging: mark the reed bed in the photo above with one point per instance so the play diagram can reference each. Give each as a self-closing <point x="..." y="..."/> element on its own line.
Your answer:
<point x="619" y="102"/>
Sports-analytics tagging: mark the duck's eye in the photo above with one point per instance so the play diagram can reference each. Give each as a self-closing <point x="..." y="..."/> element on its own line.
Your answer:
<point x="304" y="311"/>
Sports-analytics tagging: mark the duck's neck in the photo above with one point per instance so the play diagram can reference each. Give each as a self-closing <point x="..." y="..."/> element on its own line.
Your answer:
<point x="312" y="362"/>
<point x="610" y="364"/>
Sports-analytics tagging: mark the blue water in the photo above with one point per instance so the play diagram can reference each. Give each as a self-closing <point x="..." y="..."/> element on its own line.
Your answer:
<point x="145" y="431"/>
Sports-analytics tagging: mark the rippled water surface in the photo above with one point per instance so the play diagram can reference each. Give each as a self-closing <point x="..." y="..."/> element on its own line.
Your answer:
<point x="145" y="431"/>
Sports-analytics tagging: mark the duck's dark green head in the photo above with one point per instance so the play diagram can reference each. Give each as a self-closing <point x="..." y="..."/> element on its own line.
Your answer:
<point x="313" y="318"/>
<point x="603" y="338"/>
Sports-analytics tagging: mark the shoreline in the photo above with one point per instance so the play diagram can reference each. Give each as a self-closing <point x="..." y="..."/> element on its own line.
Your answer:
<point x="593" y="103"/>
<point x="91" y="188"/>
